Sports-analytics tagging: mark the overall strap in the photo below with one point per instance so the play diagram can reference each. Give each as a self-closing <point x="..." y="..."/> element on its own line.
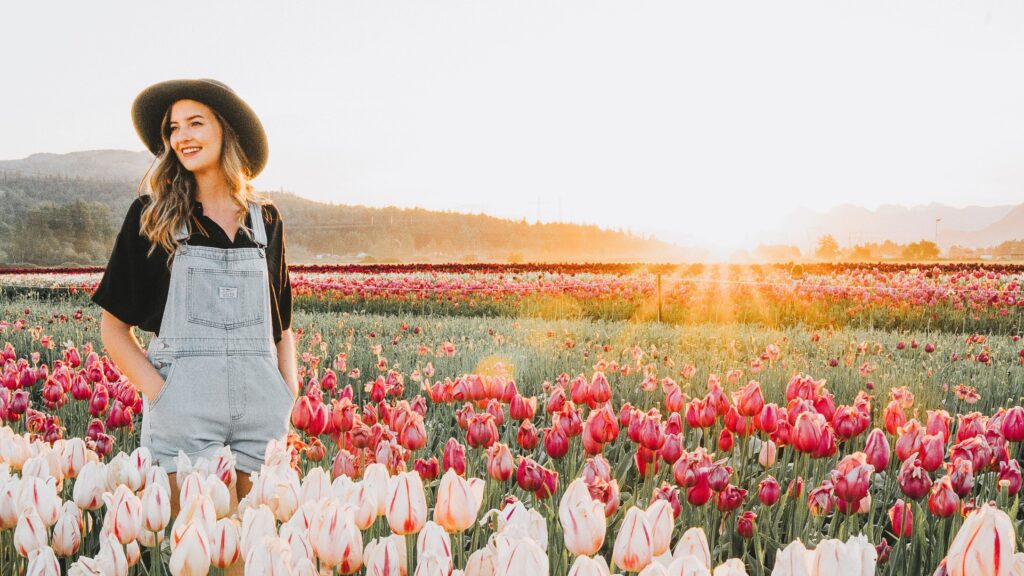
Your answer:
<point x="182" y="232"/>
<point x="258" y="226"/>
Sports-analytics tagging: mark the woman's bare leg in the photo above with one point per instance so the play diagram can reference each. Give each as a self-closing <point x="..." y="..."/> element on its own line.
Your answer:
<point x="237" y="492"/>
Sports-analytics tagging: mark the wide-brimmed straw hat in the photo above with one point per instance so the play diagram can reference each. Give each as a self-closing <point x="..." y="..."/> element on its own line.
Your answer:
<point x="151" y="104"/>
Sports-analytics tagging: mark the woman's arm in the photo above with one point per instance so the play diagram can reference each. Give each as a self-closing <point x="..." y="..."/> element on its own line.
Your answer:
<point x="286" y="361"/>
<point x="126" y="352"/>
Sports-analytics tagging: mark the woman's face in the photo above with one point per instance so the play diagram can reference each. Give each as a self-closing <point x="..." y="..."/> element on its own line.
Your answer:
<point x="195" y="136"/>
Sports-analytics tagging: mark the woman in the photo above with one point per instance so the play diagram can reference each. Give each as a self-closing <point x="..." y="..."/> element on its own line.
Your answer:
<point x="201" y="262"/>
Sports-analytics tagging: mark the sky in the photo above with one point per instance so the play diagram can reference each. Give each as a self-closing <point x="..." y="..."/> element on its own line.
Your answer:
<point x="694" y="121"/>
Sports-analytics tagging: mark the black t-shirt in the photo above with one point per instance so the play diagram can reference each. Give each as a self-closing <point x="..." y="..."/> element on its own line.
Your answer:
<point x="134" y="287"/>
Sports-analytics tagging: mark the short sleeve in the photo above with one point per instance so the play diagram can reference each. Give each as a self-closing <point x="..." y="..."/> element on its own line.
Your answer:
<point x="278" y="262"/>
<point x="125" y="282"/>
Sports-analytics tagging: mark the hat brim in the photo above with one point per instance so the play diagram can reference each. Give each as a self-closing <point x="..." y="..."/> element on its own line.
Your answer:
<point x="150" y="105"/>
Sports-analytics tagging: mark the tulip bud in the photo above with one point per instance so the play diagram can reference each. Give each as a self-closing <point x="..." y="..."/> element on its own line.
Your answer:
<point x="914" y="480"/>
<point x="769" y="452"/>
<point x="225" y="543"/>
<point x="943" y="501"/>
<point x="42" y="562"/>
<point x="877" y="450"/>
<point x="30" y="533"/>
<point x="454" y="457"/>
<point x="986" y="534"/>
<point x="769" y="491"/>
<point x="901" y="516"/>
<point x="745" y="524"/>
<point x="634" y="546"/>
<point x="458" y="502"/>
<point x="407" y="504"/>
<point x="694" y="544"/>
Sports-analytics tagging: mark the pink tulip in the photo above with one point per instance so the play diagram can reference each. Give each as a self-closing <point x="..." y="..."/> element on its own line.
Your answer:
<point x="582" y="518"/>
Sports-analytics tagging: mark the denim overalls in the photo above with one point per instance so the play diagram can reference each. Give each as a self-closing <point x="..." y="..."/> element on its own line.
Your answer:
<point x="216" y="352"/>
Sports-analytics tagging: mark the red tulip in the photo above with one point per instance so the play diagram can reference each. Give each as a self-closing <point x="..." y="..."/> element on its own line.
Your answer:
<point x="901" y="516"/>
<point x="1009" y="477"/>
<point x="913" y="479"/>
<point x="651" y="435"/>
<point x="522" y="408"/>
<point x="768" y="491"/>
<point x="736" y="423"/>
<point x="846" y="422"/>
<point x="673" y="448"/>
<point x="730" y="498"/>
<point x="852" y="477"/>
<point x="699" y="493"/>
<point x="908" y="440"/>
<point x="821" y="500"/>
<point x="877" y="450"/>
<point x="600" y="390"/>
<point x="943" y="501"/>
<point x="725" y="440"/>
<point x="427" y="469"/>
<point x="807" y="432"/>
<point x="932" y="452"/>
<point x="745" y="524"/>
<point x="938" y="422"/>
<point x="749" y="399"/>
<point x="414" y="435"/>
<point x="894" y="417"/>
<point x="527" y="437"/>
<point x="500" y="465"/>
<point x="454" y="457"/>
<point x="768" y="419"/>
<point x="1013" y="424"/>
<point x="556" y="444"/>
<point x="482" y="431"/>
<point x="961" y="476"/>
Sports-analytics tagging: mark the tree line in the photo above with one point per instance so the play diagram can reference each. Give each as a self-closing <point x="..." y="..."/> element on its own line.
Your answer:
<point x="67" y="221"/>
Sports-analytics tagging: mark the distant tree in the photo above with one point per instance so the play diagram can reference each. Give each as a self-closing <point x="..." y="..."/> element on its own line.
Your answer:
<point x="828" y="248"/>
<point x="776" y="253"/>
<point x="923" y="250"/>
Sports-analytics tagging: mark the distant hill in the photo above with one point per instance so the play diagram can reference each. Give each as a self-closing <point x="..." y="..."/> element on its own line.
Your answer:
<point x="971" y="226"/>
<point x="32" y="190"/>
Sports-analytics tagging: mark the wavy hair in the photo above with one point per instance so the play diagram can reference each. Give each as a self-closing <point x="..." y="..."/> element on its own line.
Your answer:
<point x="173" y="188"/>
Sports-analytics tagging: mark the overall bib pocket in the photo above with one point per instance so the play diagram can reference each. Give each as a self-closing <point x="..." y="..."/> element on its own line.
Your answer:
<point x="225" y="299"/>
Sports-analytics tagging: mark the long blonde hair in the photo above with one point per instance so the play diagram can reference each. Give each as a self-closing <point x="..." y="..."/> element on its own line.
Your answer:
<point x="173" y="188"/>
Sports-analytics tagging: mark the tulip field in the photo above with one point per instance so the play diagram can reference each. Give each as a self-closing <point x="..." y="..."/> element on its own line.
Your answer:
<point x="860" y="420"/>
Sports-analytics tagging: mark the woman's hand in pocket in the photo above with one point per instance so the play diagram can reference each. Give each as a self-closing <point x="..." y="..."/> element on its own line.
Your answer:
<point x="152" y="385"/>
